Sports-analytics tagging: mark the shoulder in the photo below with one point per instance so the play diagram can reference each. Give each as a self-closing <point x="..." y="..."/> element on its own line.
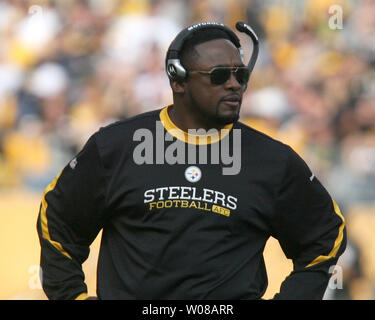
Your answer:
<point x="142" y="120"/>
<point x="263" y="143"/>
<point x="116" y="138"/>
<point x="123" y="130"/>
<point x="273" y="156"/>
<point x="275" y="151"/>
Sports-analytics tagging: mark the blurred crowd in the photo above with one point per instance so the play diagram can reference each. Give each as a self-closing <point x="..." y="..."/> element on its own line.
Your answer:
<point x="68" y="67"/>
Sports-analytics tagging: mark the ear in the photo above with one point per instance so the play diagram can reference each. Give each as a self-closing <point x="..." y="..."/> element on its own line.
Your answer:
<point x="178" y="86"/>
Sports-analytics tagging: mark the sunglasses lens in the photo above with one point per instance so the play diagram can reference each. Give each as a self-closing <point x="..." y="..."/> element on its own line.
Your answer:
<point x="220" y="75"/>
<point x="242" y="75"/>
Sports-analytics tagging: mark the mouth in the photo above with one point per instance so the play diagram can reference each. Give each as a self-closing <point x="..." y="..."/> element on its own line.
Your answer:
<point x="232" y="100"/>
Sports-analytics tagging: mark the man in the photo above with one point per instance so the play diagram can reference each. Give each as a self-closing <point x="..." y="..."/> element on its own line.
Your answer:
<point x="176" y="224"/>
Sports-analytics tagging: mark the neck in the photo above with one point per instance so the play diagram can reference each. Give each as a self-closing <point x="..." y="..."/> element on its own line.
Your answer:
<point x="186" y="119"/>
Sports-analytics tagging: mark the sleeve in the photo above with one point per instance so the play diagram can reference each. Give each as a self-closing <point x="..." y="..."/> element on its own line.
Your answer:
<point x="310" y="229"/>
<point x="70" y="217"/>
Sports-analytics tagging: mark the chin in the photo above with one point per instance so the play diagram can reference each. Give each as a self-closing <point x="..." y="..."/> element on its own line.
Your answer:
<point x="227" y="119"/>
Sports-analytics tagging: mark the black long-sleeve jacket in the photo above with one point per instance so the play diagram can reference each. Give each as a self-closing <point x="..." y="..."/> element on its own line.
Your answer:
<point x="184" y="230"/>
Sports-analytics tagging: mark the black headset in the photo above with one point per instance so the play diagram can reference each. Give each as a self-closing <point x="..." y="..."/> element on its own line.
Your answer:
<point x="174" y="68"/>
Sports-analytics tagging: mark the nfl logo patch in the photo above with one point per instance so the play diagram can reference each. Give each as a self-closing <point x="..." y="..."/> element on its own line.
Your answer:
<point x="73" y="163"/>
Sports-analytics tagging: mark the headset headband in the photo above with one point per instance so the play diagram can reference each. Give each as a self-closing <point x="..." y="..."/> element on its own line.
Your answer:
<point x="174" y="68"/>
<point x="184" y="35"/>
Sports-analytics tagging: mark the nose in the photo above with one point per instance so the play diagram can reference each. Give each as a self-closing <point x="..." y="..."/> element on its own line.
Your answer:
<point x="232" y="83"/>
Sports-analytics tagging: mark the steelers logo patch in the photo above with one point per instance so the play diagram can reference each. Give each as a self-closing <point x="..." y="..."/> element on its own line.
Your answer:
<point x="193" y="174"/>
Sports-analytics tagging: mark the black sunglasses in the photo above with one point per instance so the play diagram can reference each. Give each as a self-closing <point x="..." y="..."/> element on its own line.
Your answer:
<point x="220" y="75"/>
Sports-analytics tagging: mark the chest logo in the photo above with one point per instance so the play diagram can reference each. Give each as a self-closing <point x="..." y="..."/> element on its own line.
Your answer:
<point x="193" y="174"/>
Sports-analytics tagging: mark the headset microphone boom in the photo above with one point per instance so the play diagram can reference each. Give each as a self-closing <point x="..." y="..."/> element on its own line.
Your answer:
<point x="243" y="27"/>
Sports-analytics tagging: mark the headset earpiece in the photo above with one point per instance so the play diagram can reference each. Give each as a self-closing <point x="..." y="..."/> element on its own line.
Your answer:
<point x="175" y="70"/>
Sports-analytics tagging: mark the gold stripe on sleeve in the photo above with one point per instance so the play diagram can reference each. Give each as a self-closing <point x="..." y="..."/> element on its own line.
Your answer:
<point x="338" y="240"/>
<point x="82" y="296"/>
<point x="44" y="220"/>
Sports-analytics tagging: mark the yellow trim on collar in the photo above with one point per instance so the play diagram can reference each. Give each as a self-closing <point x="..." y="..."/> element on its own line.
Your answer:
<point x="198" y="139"/>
